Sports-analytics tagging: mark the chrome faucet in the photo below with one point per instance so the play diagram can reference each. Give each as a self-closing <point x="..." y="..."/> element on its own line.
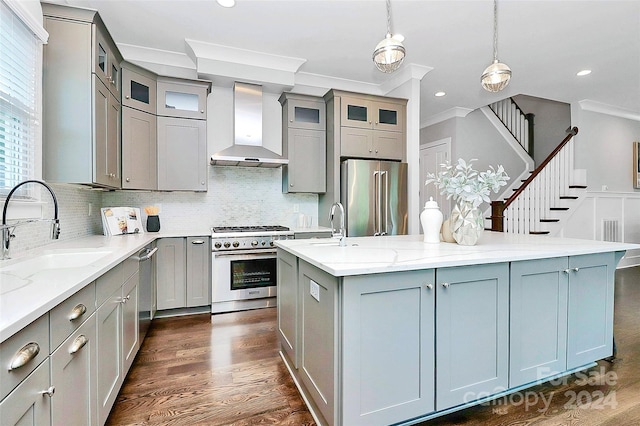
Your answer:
<point x="7" y="230"/>
<point x="343" y="232"/>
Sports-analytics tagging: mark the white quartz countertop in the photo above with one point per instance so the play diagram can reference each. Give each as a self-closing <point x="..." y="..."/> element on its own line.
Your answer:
<point x="33" y="284"/>
<point x="371" y="255"/>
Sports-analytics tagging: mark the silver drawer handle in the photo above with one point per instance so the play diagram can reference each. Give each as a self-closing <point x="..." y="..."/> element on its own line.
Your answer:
<point x="429" y="286"/>
<point x="197" y="242"/>
<point x="78" y="344"/>
<point x="445" y="285"/>
<point x="49" y="392"/>
<point x="78" y="311"/>
<point x="24" y="355"/>
<point x="125" y="299"/>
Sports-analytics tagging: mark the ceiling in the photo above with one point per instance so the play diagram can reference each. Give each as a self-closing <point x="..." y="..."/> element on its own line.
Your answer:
<point x="329" y="44"/>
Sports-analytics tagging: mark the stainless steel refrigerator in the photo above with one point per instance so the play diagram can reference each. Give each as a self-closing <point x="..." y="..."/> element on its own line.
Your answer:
<point x="374" y="195"/>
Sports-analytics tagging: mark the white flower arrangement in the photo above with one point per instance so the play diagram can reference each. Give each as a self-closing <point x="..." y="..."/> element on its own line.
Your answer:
<point x="462" y="182"/>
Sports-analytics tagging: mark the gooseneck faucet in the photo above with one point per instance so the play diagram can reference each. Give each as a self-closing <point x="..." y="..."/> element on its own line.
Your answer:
<point x="7" y="230"/>
<point x="343" y="232"/>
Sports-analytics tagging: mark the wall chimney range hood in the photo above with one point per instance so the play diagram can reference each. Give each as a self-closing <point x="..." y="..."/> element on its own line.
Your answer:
<point x="247" y="149"/>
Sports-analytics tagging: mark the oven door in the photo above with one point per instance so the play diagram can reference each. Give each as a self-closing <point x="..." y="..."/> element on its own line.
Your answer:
<point x="243" y="276"/>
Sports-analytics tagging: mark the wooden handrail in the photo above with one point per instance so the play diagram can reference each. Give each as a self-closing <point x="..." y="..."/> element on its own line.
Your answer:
<point x="498" y="207"/>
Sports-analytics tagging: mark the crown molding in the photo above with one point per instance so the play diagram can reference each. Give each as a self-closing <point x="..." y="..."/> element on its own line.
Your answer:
<point x="593" y="106"/>
<point x="456" y="112"/>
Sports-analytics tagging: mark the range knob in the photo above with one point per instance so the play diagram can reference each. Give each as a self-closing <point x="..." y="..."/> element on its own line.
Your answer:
<point x="227" y="244"/>
<point x="236" y="244"/>
<point x="264" y="242"/>
<point x="271" y="243"/>
<point x="218" y="244"/>
<point x="254" y="243"/>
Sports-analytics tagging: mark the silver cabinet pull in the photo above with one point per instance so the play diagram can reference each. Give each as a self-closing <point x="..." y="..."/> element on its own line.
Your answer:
<point x="197" y="242"/>
<point x="566" y="271"/>
<point x="49" y="392"/>
<point x="78" y="344"/>
<point x="576" y="269"/>
<point x="445" y="285"/>
<point x="78" y="311"/>
<point x="125" y="299"/>
<point x="24" y="355"/>
<point x="429" y="286"/>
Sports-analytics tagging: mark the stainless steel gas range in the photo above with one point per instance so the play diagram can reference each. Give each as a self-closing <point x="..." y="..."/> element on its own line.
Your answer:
<point x="244" y="272"/>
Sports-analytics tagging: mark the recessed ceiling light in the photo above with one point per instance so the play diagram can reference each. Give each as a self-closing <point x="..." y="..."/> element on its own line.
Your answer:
<point x="226" y="3"/>
<point x="583" y="72"/>
<point x="439" y="94"/>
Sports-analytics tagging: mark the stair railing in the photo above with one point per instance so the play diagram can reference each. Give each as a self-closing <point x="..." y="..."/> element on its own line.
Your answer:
<point x="519" y="124"/>
<point x="528" y="205"/>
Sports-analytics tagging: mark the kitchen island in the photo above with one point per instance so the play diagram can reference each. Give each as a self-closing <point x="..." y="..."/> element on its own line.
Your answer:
<point x="363" y="327"/>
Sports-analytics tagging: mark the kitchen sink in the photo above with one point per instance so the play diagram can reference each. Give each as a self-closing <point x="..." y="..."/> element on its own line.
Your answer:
<point x="56" y="259"/>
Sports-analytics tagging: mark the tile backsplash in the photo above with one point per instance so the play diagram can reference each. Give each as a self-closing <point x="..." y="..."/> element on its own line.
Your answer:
<point x="236" y="196"/>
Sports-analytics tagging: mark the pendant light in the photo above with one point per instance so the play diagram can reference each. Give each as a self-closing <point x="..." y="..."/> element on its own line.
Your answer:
<point x="389" y="53"/>
<point x="497" y="75"/>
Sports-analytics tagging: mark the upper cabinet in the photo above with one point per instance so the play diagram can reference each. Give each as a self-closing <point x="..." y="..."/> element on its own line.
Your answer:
<point x="367" y="126"/>
<point x="81" y="99"/>
<point x="182" y="98"/>
<point x="138" y="88"/>
<point x="304" y="143"/>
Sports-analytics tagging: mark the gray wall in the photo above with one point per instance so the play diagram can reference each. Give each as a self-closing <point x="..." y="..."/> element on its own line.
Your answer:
<point x="604" y="147"/>
<point x="550" y="123"/>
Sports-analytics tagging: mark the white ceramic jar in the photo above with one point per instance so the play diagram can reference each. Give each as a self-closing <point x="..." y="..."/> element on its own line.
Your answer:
<point x="431" y="220"/>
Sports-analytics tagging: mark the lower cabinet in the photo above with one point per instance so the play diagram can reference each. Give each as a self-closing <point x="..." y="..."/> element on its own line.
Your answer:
<point x="26" y="405"/>
<point x="472" y="333"/>
<point x="388" y="347"/>
<point x="183" y="272"/>
<point x="130" y="328"/>
<point x="109" y="359"/>
<point x="288" y="305"/>
<point x="73" y="373"/>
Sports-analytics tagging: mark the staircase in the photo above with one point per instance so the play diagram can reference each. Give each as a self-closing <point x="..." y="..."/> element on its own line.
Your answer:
<point x="519" y="124"/>
<point x="545" y="197"/>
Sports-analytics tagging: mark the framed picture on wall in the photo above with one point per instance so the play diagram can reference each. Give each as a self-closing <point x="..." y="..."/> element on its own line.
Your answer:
<point x="636" y="165"/>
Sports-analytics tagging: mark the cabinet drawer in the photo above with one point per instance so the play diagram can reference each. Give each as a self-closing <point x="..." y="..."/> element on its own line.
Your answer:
<point x="33" y="338"/>
<point x="68" y="315"/>
<point x="108" y="283"/>
<point x="26" y="402"/>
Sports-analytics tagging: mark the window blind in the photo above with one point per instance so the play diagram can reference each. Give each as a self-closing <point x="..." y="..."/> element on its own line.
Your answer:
<point x="20" y="52"/>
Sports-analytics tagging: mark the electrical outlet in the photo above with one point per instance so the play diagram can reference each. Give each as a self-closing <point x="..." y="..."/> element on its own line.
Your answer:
<point x="314" y="289"/>
<point x="296" y="208"/>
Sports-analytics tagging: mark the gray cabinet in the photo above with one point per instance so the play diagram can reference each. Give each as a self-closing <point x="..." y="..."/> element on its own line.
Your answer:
<point x="139" y="129"/>
<point x="182" y="98"/>
<point x="73" y="373"/>
<point x="472" y="333"/>
<point x="303" y="143"/>
<point x="538" y="319"/>
<point x="27" y="405"/>
<point x="109" y="354"/>
<point x="171" y="260"/>
<point x="182" y="154"/>
<point x="370" y="126"/>
<point x="183" y="272"/>
<point x="81" y="99"/>
<point x="130" y="328"/>
<point x="590" y="307"/>
<point x="388" y="347"/>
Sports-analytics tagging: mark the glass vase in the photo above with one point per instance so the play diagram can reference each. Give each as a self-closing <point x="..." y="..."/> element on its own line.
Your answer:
<point x="466" y="223"/>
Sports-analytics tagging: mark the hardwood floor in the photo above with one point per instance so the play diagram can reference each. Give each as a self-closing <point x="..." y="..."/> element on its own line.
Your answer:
<point x="225" y="370"/>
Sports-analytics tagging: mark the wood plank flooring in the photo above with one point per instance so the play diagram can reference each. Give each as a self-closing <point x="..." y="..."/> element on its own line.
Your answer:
<point x="225" y="370"/>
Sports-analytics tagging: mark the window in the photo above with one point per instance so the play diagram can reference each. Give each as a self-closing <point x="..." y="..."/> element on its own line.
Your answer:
<point x="20" y="75"/>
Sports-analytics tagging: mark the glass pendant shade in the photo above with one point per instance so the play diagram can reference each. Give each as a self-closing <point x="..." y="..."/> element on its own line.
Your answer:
<point x="496" y="77"/>
<point x="388" y="54"/>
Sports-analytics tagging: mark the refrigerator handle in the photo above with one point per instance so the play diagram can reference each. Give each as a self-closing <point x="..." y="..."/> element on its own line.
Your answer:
<point x="376" y="213"/>
<point x="384" y="191"/>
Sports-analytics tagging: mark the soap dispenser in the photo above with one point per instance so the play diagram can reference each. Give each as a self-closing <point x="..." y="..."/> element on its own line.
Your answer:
<point x="431" y="220"/>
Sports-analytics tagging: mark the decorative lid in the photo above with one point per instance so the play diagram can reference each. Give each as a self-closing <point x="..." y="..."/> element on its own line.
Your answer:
<point x="431" y="204"/>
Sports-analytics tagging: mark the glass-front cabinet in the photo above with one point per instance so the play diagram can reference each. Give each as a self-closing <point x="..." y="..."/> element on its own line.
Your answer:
<point x="372" y="114"/>
<point x="182" y="99"/>
<point x="107" y="62"/>
<point x="138" y="90"/>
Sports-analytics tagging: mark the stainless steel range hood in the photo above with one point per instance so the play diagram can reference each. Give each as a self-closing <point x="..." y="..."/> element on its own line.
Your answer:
<point x="247" y="149"/>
